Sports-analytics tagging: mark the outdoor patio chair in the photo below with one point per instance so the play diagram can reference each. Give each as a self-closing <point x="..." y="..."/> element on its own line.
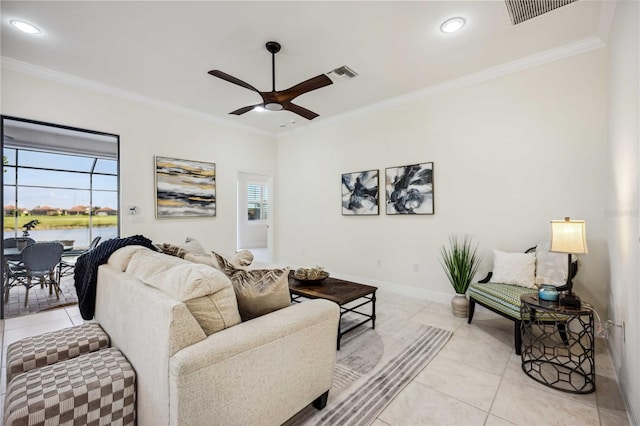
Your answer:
<point x="68" y="263"/>
<point x="38" y="261"/>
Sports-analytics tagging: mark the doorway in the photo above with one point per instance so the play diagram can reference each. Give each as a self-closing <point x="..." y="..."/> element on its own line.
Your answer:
<point x="254" y="215"/>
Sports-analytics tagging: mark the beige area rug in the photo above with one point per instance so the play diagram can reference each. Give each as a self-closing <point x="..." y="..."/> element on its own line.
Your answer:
<point x="372" y="367"/>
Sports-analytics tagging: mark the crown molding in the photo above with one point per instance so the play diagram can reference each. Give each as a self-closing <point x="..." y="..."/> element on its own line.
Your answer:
<point x="70" y="80"/>
<point x="551" y="55"/>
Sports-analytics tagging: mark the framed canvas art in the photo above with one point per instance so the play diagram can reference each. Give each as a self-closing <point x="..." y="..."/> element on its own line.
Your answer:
<point x="185" y="188"/>
<point x="360" y="193"/>
<point x="409" y="189"/>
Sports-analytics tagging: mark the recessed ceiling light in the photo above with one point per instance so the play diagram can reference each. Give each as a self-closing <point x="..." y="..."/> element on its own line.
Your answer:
<point x="452" y="25"/>
<point x="25" y="26"/>
<point x="259" y="109"/>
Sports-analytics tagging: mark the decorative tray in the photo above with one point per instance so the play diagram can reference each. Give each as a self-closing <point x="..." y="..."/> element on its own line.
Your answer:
<point x="310" y="276"/>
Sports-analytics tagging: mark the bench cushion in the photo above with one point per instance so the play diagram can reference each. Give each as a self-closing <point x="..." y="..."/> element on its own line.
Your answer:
<point x="49" y="348"/>
<point x="93" y="389"/>
<point x="504" y="298"/>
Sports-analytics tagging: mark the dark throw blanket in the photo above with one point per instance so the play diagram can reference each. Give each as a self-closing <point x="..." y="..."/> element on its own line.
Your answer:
<point x="86" y="271"/>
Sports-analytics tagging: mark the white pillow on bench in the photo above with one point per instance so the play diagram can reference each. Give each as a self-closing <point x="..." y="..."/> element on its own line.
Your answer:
<point x="514" y="268"/>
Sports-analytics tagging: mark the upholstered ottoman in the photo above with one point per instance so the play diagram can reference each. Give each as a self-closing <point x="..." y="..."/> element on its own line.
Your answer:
<point x="49" y="348"/>
<point x="93" y="389"/>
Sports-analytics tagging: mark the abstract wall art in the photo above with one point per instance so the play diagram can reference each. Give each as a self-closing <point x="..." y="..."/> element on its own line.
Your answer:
<point x="409" y="189"/>
<point x="185" y="188"/>
<point x="360" y="193"/>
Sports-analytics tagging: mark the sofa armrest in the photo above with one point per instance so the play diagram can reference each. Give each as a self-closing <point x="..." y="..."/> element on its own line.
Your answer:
<point x="262" y="371"/>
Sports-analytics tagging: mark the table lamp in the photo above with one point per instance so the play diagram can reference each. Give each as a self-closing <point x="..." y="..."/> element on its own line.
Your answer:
<point x="568" y="236"/>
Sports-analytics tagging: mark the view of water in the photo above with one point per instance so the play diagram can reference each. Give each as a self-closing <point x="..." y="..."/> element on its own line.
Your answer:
<point x="79" y="235"/>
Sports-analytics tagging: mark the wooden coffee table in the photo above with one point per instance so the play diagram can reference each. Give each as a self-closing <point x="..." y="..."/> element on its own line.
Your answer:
<point x="340" y="292"/>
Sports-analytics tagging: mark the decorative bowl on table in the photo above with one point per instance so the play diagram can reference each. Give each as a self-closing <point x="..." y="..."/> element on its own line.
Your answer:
<point x="310" y="275"/>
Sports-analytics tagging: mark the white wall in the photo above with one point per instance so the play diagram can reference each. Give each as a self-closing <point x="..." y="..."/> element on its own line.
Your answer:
<point x="146" y="131"/>
<point x="250" y="234"/>
<point x="509" y="154"/>
<point x="624" y="202"/>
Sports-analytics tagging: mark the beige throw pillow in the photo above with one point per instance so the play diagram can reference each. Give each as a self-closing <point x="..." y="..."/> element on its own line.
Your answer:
<point x="258" y="291"/>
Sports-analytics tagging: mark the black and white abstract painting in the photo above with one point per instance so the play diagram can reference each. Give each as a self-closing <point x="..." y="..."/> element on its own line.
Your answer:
<point x="360" y="193"/>
<point x="409" y="189"/>
<point x="185" y="188"/>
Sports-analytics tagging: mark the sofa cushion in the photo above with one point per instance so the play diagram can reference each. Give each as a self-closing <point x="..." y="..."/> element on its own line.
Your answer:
<point x="120" y="258"/>
<point x="207" y="292"/>
<point x="145" y="264"/>
<point x="514" y="268"/>
<point x="258" y="291"/>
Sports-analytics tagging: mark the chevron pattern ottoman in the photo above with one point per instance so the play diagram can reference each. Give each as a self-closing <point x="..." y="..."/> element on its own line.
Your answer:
<point x="49" y="348"/>
<point x="97" y="388"/>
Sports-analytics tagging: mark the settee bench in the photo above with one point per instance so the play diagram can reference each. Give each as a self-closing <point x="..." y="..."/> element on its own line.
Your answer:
<point x="504" y="299"/>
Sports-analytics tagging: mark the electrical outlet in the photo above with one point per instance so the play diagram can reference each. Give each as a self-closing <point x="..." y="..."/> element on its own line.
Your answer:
<point x="133" y="210"/>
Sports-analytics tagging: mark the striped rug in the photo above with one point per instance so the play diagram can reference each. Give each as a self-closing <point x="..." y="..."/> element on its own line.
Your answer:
<point x="357" y="399"/>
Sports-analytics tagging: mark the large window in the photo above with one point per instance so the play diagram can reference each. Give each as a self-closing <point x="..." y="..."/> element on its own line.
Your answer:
<point x="64" y="180"/>
<point x="257" y="202"/>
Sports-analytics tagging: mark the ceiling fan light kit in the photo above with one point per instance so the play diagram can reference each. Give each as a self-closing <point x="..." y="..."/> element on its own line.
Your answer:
<point x="278" y="100"/>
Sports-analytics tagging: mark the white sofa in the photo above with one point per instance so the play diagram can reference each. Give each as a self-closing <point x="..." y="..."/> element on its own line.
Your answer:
<point x="259" y="372"/>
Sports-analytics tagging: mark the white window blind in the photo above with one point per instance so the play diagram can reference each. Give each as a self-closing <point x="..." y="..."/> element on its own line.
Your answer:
<point x="257" y="202"/>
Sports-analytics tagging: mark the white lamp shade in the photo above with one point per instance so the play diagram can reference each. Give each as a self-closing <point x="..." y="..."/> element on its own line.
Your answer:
<point x="568" y="236"/>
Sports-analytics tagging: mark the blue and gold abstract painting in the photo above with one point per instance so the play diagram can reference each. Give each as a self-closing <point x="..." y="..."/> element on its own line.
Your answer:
<point x="185" y="188"/>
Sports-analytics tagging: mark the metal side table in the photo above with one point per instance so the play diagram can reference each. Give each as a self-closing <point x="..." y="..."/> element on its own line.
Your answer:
<point x="558" y="345"/>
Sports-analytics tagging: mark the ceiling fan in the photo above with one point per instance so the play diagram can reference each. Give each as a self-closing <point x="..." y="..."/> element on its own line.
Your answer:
<point x="281" y="99"/>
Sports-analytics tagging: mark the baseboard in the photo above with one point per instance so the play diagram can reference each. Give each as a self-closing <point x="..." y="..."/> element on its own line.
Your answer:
<point x="632" y="409"/>
<point x="404" y="290"/>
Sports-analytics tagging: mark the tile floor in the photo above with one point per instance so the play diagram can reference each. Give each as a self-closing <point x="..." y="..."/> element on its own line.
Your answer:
<point x="39" y="298"/>
<point x="475" y="379"/>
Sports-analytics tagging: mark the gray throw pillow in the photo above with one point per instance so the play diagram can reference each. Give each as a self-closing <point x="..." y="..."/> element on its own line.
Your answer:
<point x="258" y="291"/>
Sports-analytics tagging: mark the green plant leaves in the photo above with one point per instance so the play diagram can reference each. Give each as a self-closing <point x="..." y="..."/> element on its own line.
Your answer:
<point x="460" y="261"/>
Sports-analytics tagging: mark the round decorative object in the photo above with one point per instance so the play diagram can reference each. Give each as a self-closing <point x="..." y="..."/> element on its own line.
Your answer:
<point x="548" y="292"/>
<point x="460" y="305"/>
<point x="310" y="275"/>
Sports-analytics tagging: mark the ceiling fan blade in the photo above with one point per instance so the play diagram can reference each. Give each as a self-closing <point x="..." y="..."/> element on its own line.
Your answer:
<point x="303" y="112"/>
<point x="306" y="86"/>
<point x="242" y="110"/>
<point x="231" y="79"/>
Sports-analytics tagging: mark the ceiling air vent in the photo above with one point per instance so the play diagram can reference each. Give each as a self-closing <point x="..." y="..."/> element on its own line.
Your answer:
<point x="523" y="10"/>
<point x="344" y="72"/>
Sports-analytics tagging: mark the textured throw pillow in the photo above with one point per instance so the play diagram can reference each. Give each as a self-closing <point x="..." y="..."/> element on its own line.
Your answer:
<point x="190" y="245"/>
<point x="551" y="268"/>
<point x="172" y="250"/>
<point x="240" y="260"/>
<point x="258" y="291"/>
<point x="514" y="268"/>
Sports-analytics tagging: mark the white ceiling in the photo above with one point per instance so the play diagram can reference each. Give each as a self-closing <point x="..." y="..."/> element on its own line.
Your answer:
<point x="163" y="49"/>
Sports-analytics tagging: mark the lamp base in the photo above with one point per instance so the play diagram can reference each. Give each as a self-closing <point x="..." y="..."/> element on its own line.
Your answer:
<point x="570" y="300"/>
